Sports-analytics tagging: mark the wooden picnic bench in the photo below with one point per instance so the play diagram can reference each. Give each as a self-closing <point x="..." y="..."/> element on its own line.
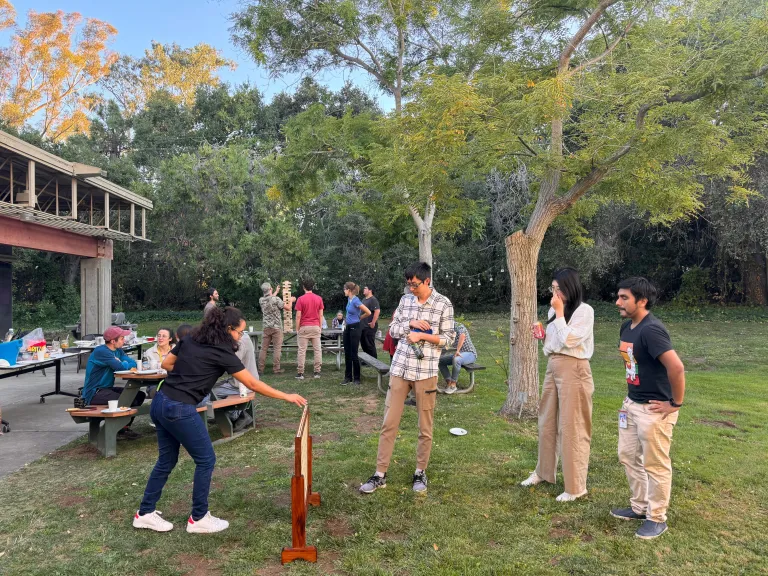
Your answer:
<point x="218" y="409"/>
<point x="471" y="368"/>
<point x="103" y="437"/>
<point x="382" y="368"/>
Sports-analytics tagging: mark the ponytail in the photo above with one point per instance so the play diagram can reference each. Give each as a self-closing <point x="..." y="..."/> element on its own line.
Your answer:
<point x="353" y="288"/>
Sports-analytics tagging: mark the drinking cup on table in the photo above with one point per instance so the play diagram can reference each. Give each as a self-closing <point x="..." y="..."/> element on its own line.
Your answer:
<point x="40" y="355"/>
<point x="112" y="404"/>
<point x="250" y="328"/>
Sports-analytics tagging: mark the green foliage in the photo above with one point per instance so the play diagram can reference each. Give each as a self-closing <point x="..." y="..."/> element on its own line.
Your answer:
<point x="694" y="287"/>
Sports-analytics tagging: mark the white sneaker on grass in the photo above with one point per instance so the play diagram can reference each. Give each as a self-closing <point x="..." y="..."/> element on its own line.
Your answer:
<point x="532" y="480"/>
<point x="208" y="524"/>
<point x="566" y="497"/>
<point x="152" y="521"/>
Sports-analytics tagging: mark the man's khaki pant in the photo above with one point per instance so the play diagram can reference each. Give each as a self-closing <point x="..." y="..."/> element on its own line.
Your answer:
<point x="425" y="393"/>
<point x="307" y="333"/>
<point x="565" y="421"/>
<point x="644" y="451"/>
<point x="275" y="337"/>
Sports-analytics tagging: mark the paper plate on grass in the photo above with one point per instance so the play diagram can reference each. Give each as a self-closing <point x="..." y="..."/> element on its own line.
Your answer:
<point x="458" y="431"/>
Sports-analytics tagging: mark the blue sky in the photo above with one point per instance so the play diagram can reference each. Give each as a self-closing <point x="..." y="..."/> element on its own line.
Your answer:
<point x="186" y="22"/>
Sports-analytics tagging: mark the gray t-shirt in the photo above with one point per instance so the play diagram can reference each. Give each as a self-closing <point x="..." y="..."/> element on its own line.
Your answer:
<point x="208" y="307"/>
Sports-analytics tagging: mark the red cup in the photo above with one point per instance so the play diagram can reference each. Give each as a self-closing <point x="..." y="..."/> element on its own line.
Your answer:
<point x="538" y="331"/>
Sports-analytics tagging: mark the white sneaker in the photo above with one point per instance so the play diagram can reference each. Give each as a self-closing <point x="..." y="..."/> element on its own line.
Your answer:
<point x="208" y="524"/>
<point x="450" y="389"/>
<point x="532" y="480"/>
<point x="565" y="497"/>
<point x="152" y="521"/>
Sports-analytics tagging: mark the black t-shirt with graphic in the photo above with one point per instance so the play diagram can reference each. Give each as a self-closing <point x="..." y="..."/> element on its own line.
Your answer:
<point x="197" y="369"/>
<point x="640" y="347"/>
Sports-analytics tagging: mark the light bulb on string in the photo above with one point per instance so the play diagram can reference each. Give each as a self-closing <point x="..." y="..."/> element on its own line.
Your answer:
<point x="470" y="284"/>
<point x="478" y="282"/>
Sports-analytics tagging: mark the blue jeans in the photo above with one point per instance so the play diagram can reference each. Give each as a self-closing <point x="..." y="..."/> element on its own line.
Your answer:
<point x="178" y="424"/>
<point x="457" y="362"/>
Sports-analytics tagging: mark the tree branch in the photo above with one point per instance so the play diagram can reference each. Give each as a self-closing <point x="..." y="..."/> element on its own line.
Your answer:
<point x="581" y="33"/>
<point x="607" y="51"/>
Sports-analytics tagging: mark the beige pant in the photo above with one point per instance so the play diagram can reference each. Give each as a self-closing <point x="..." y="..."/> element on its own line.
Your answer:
<point x="425" y="393"/>
<point x="644" y="451"/>
<point x="565" y="421"/>
<point x="275" y="337"/>
<point x="307" y="333"/>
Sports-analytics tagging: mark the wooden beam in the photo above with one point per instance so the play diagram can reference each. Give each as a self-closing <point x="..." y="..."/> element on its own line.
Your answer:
<point x="57" y="196"/>
<point x="133" y="220"/>
<point x="11" y="181"/>
<point x="106" y="210"/>
<point x="143" y="222"/>
<point x="30" y="235"/>
<point x="32" y="198"/>
<point x="73" y="211"/>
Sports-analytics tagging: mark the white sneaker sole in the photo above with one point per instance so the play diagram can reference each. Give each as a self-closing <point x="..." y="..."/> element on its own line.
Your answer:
<point x="196" y="530"/>
<point x="565" y="497"/>
<point x="140" y="525"/>
<point x="371" y="491"/>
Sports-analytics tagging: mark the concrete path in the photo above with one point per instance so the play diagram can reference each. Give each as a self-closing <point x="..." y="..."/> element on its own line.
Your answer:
<point x="37" y="429"/>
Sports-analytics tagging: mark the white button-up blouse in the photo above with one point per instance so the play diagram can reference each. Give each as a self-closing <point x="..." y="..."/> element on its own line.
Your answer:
<point x="576" y="338"/>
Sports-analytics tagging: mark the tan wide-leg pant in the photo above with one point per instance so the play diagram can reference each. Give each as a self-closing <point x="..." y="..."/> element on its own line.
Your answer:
<point x="425" y="393"/>
<point x="306" y="335"/>
<point x="565" y="421"/>
<point x="272" y="336"/>
<point x="644" y="451"/>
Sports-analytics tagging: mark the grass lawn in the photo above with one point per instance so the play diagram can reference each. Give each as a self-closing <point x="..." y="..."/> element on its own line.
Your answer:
<point x="70" y="513"/>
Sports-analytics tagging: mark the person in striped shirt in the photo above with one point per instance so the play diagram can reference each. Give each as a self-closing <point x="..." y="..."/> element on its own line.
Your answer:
<point x="423" y="325"/>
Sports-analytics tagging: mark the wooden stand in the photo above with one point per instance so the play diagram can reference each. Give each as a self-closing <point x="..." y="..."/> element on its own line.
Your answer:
<point x="288" y="309"/>
<point x="301" y="495"/>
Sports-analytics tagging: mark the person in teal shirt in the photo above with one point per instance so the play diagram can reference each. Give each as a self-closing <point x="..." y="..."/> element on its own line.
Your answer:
<point x="104" y="361"/>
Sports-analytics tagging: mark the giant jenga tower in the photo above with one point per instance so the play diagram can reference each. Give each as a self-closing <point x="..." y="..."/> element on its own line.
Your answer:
<point x="288" y="310"/>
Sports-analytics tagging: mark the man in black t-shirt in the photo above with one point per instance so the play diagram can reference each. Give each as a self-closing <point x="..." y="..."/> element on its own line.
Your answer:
<point x="368" y="334"/>
<point x="656" y="387"/>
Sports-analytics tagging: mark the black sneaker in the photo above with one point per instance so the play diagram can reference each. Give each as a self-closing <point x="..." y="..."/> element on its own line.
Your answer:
<point x="373" y="483"/>
<point x="649" y="530"/>
<point x="626" y="514"/>
<point x="356" y="382"/>
<point x="420" y="483"/>
<point x="128" y="434"/>
<point x="317" y="376"/>
<point x="299" y="376"/>
<point x="243" y="422"/>
<point x="410" y="402"/>
<point x="346" y="382"/>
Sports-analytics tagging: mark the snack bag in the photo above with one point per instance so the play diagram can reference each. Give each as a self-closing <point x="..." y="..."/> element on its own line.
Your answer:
<point x="33" y="341"/>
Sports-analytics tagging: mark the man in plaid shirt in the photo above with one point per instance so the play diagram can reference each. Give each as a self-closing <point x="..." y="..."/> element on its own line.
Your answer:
<point x="423" y="320"/>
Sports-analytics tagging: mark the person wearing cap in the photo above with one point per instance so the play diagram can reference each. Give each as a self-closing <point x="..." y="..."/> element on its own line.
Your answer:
<point x="105" y="360"/>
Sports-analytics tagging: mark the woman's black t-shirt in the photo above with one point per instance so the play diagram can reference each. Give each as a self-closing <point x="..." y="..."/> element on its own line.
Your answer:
<point x="198" y="367"/>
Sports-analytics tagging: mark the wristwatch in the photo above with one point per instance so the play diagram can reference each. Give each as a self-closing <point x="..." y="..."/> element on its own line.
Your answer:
<point x="674" y="404"/>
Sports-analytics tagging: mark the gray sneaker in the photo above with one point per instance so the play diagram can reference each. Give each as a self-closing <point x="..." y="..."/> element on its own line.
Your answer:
<point x="649" y="530"/>
<point x="626" y="514"/>
<point x="243" y="422"/>
<point x="420" y="483"/>
<point x="373" y="483"/>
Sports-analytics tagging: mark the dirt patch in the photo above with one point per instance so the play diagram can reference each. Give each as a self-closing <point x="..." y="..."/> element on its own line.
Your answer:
<point x="81" y="451"/>
<point x="367" y="423"/>
<point x="338" y="528"/>
<point x="233" y="471"/>
<point x="272" y="569"/>
<point x="587" y="538"/>
<point x="559" y="520"/>
<point x="371" y="404"/>
<point x="558" y="533"/>
<point x="327" y="437"/>
<point x="391" y="536"/>
<point x="179" y="509"/>
<point x="716" y="423"/>
<point x="71" y="501"/>
<point x="730" y="413"/>
<point x="196" y="565"/>
<point x="282" y="500"/>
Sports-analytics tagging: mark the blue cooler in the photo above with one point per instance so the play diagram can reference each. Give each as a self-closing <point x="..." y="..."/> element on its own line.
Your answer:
<point x="10" y="351"/>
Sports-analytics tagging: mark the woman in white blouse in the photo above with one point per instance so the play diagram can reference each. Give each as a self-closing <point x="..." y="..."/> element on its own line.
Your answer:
<point x="565" y="409"/>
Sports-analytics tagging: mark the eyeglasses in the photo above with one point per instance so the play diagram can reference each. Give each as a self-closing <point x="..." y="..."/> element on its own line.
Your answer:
<point x="553" y="289"/>
<point x="413" y="285"/>
<point x="163" y="336"/>
<point x="241" y="332"/>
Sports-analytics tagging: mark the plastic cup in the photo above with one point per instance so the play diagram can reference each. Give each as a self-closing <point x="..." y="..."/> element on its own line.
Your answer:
<point x="250" y="328"/>
<point x="41" y="355"/>
<point x="112" y="404"/>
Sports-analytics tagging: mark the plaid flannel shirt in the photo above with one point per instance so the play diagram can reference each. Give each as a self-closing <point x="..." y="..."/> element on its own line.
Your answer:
<point x="438" y="311"/>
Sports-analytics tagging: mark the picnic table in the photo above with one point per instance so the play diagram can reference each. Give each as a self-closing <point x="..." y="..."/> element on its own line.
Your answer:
<point x="25" y="366"/>
<point x="86" y="350"/>
<point x="330" y="341"/>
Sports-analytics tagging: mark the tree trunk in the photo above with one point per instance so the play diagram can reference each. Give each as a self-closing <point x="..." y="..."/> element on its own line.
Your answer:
<point x="523" y="384"/>
<point x="425" y="244"/>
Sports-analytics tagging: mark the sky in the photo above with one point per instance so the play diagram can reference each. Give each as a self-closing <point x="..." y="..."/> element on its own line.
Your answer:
<point x="186" y="22"/>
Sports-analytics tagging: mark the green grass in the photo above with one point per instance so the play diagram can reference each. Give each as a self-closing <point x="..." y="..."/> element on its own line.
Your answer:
<point x="70" y="513"/>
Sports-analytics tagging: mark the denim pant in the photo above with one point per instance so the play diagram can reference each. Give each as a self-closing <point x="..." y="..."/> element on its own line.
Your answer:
<point x="457" y="361"/>
<point x="178" y="424"/>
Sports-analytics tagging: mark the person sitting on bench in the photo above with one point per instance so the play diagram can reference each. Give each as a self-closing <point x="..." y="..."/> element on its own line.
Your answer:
<point x="99" y="385"/>
<point x="231" y="387"/>
<point x="465" y="354"/>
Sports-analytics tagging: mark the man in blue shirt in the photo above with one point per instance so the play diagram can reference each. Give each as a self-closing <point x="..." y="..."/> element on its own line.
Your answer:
<point x="99" y="385"/>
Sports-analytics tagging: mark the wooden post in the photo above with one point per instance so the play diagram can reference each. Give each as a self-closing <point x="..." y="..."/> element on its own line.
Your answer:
<point x="11" y="181"/>
<point x="133" y="220"/>
<point x="57" y="196"/>
<point x="106" y="210"/>
<point x="73" y="212"/>
<point x="31" y="197"/>
<point x="143" y="222"/>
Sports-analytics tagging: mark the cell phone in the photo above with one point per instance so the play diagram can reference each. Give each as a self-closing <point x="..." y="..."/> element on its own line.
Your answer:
<point x="423" y="331"/>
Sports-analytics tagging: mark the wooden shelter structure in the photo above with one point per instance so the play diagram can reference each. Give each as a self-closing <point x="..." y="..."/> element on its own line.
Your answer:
<point x="48" y="203"/>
